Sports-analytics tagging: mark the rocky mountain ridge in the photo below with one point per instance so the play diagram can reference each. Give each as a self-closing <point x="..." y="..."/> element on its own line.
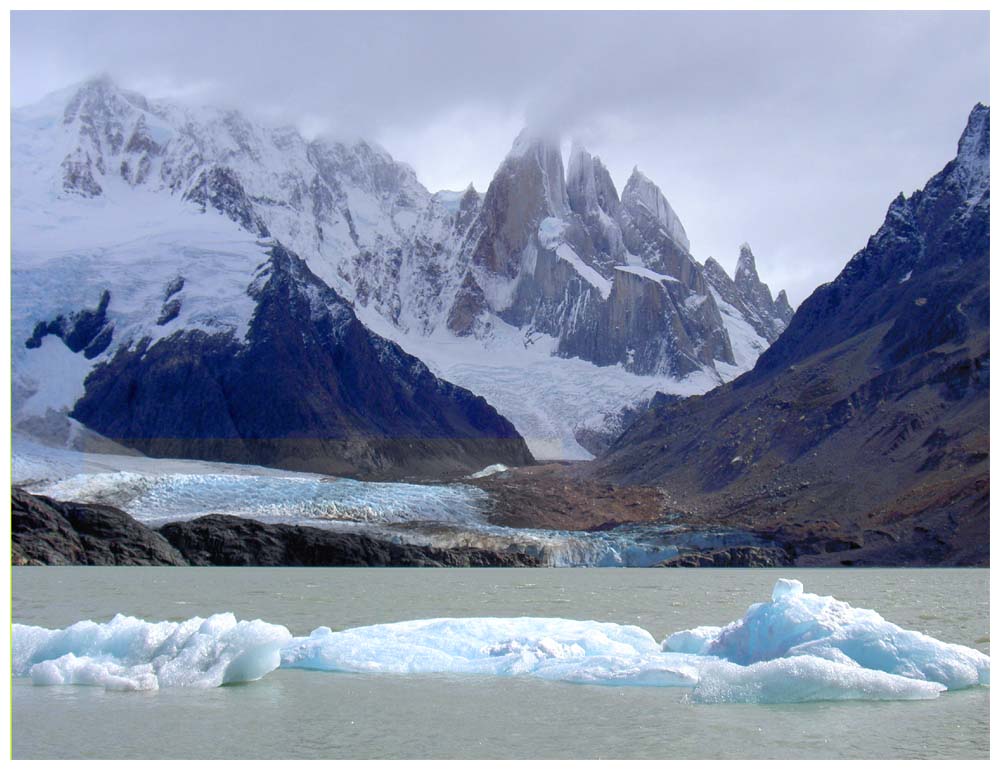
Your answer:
<point x="138" y="220"/>
<point x="541" y="249"/>
<point x="868" y="419"/>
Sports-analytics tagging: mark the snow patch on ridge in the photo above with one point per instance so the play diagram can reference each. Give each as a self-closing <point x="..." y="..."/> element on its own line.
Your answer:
<point x="646" y="273"/>
<point x="550" y="235"/>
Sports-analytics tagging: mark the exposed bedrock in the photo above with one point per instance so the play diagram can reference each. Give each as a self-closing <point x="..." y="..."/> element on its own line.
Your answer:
<point x="47" y="531"/>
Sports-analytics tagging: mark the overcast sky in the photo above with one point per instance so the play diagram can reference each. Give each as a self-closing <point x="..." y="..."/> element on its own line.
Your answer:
<point x="791" y="131"/>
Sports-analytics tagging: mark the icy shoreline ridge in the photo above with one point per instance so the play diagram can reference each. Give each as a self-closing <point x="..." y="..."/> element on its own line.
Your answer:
<point x="797" y="647"/>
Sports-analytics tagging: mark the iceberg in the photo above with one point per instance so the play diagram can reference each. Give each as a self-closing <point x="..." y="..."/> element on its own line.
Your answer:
<point x="802" y="679"/>
<point x="489" y="646"/>
<point x="798" y="647"/>
<point x="796" y="624"/>
<point x="127" y="653"/>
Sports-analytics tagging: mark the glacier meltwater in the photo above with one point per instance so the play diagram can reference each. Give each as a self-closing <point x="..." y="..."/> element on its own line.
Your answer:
<point x="796" y="647"/>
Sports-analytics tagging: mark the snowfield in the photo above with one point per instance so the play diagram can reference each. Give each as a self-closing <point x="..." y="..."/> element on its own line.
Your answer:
<point x="547" y="398"/>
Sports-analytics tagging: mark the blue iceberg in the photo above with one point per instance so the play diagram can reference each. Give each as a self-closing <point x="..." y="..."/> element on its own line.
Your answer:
<point x="797" y="647"/>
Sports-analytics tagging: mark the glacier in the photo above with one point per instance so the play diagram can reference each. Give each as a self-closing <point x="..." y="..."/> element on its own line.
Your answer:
<point x="156" y="491"/>
<point x="797" y="647"/>
<point x="159" y="498"/>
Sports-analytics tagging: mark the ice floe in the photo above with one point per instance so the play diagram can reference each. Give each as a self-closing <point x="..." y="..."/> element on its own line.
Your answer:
<point x="795" y="624"/>
<point x="797" y="647"/>
<point x="132" y="654"/>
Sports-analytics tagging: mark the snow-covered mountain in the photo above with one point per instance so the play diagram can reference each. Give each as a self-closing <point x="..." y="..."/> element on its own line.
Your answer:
<point x="611" y="279"/>
<point x="549" y="295"/>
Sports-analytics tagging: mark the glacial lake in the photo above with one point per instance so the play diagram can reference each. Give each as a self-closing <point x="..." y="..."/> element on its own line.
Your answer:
<point x="325" y="715"/>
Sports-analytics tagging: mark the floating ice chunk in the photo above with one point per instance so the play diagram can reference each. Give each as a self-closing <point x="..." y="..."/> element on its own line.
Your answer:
<point x="694" y="641"/>
<point x="798" y="647"/>
<point x="70" y="669"/>
<point x="548" y="647"/>
<point x="785" y="587"/>
<point x="802" y="679"/>
<point x="648" y="670"/>
<point x="794" y="623"/>
<point x="128" y="653"/>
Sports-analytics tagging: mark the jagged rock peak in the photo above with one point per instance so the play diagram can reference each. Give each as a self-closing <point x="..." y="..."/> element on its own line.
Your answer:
<point x="533" y="138"/>
<point x="975" y="138"/>
<point x="716" y="273"/>
<point x="783" y="307"/>
<point x="589" y="184"/>
<point x="746" y="265"/>
<point x="973" y="160"/>
<point x="470" y="198"/>
<point x="641" y="191"/>
<point x="755" y="292"/>
<point x="535" y="160"/>
<point x="100" y="93"/>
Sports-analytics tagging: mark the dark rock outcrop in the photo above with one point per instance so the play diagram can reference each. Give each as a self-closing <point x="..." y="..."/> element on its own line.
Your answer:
<point x="737" y="556"/>
<point x="86" y="330"/>
<point x="232" y="541"/>
<point x="310" y="388"/>
<point x="45" y="531"/>
<point x="940" y="233"/>
<point x="867" y="421"/>
<point x="783" y="308"/>
<point x="221" y="189"/>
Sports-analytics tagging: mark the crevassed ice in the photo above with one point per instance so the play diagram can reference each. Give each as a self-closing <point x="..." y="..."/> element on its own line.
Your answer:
<point x="132" y="654"/>
<point x="797" y="647"/>
<point x="160" y="497"/>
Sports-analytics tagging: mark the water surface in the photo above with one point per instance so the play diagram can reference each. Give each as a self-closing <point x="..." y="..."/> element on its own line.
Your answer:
<point x="299" y="714"/>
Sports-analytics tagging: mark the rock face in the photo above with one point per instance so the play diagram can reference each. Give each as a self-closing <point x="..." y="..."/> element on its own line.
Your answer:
<point x="308" y="388"/>
<point x="868" y="418"/>
<point x="652" y="231"/>
<point x="45" y="531"/>
<point x="229" y="541"/>
<point x="86" y="330"/>
<point x="737" y="556"/>
<point x="749" y="296"/>
<point x="612" y="279"/>
<point x="64" y="533"/>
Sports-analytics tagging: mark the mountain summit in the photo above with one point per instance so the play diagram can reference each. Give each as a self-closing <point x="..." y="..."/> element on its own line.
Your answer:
<point x="544" y="264"/>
